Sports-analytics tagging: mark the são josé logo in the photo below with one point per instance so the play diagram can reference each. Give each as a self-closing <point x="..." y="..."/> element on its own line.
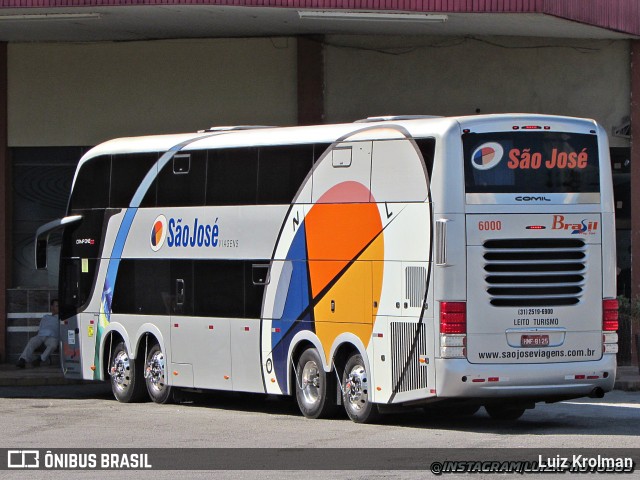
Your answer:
<point x="158" y="233"/>
<point x="186" y="234"/>
<point x="487" y="156"/>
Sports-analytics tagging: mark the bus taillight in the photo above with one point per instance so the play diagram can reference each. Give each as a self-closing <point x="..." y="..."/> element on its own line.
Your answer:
<point x="453" y="329"/>
<point x="453" y="317"/>
<point x="610" y="315"/>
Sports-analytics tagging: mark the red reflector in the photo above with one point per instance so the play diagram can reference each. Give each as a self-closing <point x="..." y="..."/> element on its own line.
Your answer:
<point x="210" y="327"/>
<point x="610" y="315"/>
<point x="246" y="329"/>
<point x="592" y="377"/>
<point x="580" y="377"/>
<point x="90" y="322"/>
<point x="275" y="330"/>
<point x="175" y="325"/>
<point x="515" y="127"/>
<point x="378" y="335"/>
<point x="478" y="380"/>
<point x="494" y="379"/>
<point x="453" y="317"/>
<point x="547" y="127"/>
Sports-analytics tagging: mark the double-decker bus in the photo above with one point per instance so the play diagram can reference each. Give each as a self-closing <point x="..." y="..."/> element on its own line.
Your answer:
<point x="417" y="261"/>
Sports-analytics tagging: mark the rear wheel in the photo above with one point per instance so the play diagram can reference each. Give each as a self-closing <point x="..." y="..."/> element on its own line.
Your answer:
<point x="504" y="412"/>
<point x="315" y="388"/>
<point x="154" y="375"/>
<point x="356" y="392"/>
<point x="127" y="381"/>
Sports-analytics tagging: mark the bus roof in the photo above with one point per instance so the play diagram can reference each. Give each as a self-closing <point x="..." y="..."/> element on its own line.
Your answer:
<point x="417" y="126"/>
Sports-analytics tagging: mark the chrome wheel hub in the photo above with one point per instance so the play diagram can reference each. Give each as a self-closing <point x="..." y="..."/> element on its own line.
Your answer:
<point x="120" y="371"/>
<point x="154" y="372"/>
<point x="310" y="382"/>
<point x="356" y="388"/>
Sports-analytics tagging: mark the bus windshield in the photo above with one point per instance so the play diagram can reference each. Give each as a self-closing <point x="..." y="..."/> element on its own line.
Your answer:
<point x="531" y="162"/>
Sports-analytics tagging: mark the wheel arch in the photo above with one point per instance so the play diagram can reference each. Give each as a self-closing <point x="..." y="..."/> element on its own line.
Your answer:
<point x="300" y="342"/>
<point x="345" y="345"/>
<point x="146" y="336"/>
<point x="114" y="334"/>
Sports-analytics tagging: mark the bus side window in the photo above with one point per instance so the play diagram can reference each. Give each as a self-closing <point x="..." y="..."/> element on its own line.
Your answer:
<point x="232" y="176"/>
<point x="91" y="189"/>
<point x="219" y="288"/>
<point x="281" y="172"/>
<point x="181" y="182"/>
<point x="127" y="172"/>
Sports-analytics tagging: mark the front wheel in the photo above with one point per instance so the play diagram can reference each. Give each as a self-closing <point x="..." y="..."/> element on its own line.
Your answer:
<point x="356" y="391"/>
<point x="126" y="374"/>
<point x="154" y="375"/>
<point x="314" y="387"/>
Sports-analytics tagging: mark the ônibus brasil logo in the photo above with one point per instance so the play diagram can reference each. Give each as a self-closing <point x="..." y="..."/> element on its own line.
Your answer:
<point x="178" y="234"/>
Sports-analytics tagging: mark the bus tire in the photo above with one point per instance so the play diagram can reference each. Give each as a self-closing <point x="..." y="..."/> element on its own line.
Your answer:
<point x="154" y="376"/>
<point x="127" y="382"/>
<point x="315" y="388"/>
<point x="356" y="391"/>
<point x="504" y="412"/>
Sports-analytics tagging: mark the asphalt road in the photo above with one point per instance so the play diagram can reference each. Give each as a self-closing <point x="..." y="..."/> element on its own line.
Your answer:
<point x="87" y="416"/>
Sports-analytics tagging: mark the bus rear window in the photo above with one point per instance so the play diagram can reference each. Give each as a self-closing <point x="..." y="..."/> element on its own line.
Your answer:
<point x="531" y="162"/>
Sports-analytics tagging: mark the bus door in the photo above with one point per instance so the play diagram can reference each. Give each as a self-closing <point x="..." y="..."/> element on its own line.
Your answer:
<point x="200" y="341"/>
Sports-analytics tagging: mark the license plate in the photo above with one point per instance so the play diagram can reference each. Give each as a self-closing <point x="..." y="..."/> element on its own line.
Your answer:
<point x="534" y="340"/>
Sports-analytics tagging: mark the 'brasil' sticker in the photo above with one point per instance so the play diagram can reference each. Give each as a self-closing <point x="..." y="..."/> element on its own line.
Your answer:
<point x="487" y="156"/>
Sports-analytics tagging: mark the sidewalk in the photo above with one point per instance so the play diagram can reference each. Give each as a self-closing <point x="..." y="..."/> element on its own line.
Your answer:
<point x="627" y="378"/>
<point x="11" y="376"/>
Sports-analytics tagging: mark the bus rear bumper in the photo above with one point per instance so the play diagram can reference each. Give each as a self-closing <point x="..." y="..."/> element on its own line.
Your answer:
<point x="540" y="382"/>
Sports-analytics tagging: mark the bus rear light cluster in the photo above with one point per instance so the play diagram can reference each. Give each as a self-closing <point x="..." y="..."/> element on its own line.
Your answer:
<point x="582" y="376"/>
<point x="483" y="380"/>
<point x="610" y="315"/>
<point x="609" y="325"/>
<point x="453" y="329"/>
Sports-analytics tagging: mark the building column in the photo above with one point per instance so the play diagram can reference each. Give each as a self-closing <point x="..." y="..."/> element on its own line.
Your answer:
<point x="310" y="81"/>
<point x="5" y="192"/>
<point x="635" y="183"/>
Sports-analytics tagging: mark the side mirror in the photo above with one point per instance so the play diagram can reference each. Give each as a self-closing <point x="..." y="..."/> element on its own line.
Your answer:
<point x="41" y="253"/>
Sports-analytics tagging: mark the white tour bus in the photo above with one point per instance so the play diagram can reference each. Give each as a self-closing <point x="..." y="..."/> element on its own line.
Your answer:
<point x="418" y="261"/>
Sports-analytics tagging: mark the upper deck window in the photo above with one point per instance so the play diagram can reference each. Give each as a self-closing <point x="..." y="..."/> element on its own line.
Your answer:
<point x="531" y="162"/>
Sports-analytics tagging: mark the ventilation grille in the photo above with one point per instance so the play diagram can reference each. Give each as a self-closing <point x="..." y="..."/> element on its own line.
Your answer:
<point x="402" y="336"/>
<point x="529" y="273"/>
<point x="416" y="285"/>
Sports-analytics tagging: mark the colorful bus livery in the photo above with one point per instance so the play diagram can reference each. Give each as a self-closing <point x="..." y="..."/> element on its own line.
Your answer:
<point x="380" y="262"/>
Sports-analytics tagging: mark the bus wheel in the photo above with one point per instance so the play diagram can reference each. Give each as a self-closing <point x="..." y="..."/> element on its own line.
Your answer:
<point x="504" y="412"/>
<point x="154" y="375"/>
<point x="356" y="391"/>
<point x="314" y="387"/>
<point x="126" y="376"/>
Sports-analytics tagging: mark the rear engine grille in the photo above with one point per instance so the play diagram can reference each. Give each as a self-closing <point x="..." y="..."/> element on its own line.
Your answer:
<point x="414" y="376"/>
<point x="529" y="273"/>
